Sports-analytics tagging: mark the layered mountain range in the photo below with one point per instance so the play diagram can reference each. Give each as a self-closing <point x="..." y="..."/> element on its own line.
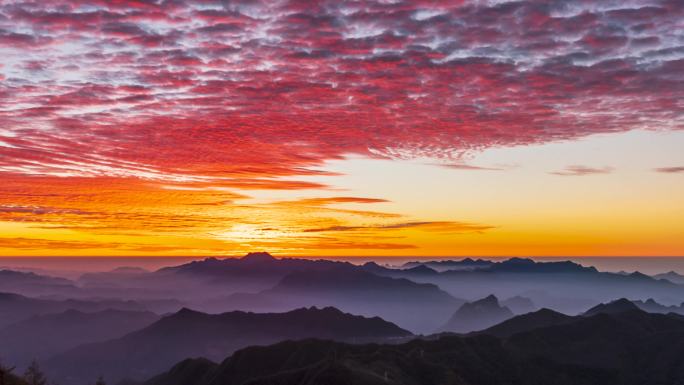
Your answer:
<point x="190" y="333"/>
<point x="207" y="316"/>
<point x="630" y="347"/>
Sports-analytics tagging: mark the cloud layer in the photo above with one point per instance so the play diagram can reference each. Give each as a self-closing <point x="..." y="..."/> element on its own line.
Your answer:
<point x="247" y="89"/>
<point x="224" y="96"/>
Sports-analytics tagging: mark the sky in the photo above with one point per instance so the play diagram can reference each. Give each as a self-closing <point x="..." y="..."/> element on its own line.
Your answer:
<point x="342" y="128"/>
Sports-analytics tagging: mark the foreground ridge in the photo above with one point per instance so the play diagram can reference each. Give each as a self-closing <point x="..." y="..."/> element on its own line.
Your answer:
<point x="591" y="350"/>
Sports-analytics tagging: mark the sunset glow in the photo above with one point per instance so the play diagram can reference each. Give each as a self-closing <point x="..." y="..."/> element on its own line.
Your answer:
<point x="328" y="128"/>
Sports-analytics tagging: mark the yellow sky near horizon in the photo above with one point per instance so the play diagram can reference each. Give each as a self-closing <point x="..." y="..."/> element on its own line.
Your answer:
<point x="596" y="196"/>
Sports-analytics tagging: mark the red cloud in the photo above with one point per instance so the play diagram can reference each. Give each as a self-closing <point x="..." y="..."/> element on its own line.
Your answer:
<point x="249" y="93"/>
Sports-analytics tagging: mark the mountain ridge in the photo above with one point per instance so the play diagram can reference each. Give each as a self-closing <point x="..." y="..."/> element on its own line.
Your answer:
<point x="524" y="358"/>
<point x="189" y="333"/>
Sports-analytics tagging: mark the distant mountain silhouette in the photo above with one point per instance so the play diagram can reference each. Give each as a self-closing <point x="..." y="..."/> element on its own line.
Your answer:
<point x="526" y="322"/>
<point x="671" y="276"/>
<point x="373" y="267"/>
<point x="477" y="315"/>
<point x="564" y="286"/>
<point x="34" y="284"/>
<point x="15" y="307"/>
<point x="519" y="304"/>
<point x="413" y="306"/>
<point x="467" y="264"/>
<point x="254" y="265"/>
<point x="617" y="306"/>
<point x="202" y="284"/>
<point x="189" y="333"/>
<point x="251" y="273"/>
<point x="526" y="265"/>
<point x="651" y="306"/>
<point x="207" y="285"/>
<point x="42" y="336"/>
<point x="421" y="269"/>
<point x="258" y="257"/>
<point x="629" y="348"/>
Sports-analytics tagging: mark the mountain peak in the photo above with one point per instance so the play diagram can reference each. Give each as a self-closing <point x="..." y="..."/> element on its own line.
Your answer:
<point x="330" y="310"/>
<point x="186" y="312"/>
<point x="478" y="315"/>
<point x="640" y="275"/>
<point x="671" y="276"/>
<point x="533" y="320"/>
<point x="489" y="300"/>
<point x="617" y="306"/>
<point x="260" y="256"/>
<point x="422" y="269"/>
<point x="521" y="261"/>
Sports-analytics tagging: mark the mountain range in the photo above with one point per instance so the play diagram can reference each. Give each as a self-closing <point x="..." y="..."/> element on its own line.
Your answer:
<point x="464" y="264"/>
<point x="208" y="284"/>
<point x="564" y="285"/>
<point x="630" y="348"/>
<point x="189" y="333"/>
<point x="413" y="306"/>
<point x="109" y="323"/>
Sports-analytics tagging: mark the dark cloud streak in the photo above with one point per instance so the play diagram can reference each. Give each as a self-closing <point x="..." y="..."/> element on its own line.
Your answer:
<point x="578" y="170"/>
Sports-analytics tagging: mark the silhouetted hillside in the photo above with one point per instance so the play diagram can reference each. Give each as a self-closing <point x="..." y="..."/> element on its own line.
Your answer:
<point x="189" y="371"/>
<point x="189" y="333"/>
<point x="42" y="336"/>
<point x="640" y="347"/>
<point x="630" y="348"/>
<point x="526" y="322"/>
<point x="617" y="306"/>
<point x="477" y="315"/>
